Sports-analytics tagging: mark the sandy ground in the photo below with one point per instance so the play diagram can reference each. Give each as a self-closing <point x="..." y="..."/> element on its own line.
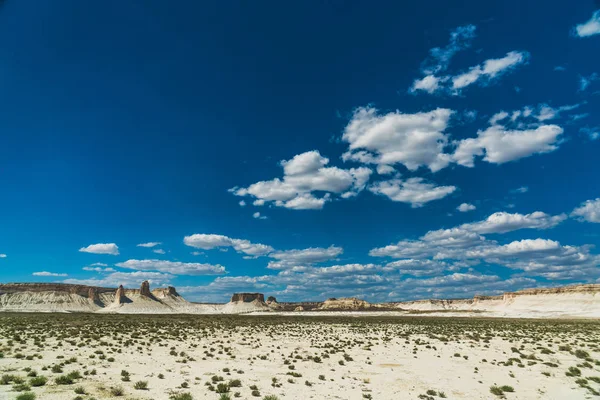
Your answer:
<point x="337" y="358"/>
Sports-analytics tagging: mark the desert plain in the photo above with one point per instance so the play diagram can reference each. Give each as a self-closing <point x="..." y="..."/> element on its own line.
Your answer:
<point x="182" y="357"/>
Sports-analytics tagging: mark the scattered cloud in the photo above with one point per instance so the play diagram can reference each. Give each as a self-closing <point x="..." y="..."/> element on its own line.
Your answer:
<point x="483" y="74"/>
<point x="502" y="222"/>
<point x="413" y="140"/>
<point x="101" y="248"/>
<point x="173" y="267"/>
<point x="590" y="27"/>
<point x="439" y="58"/>
<point x="158" y="251"/>
<point x="489" y="70"/>
<point x="149" y="244"/>
<point x="301" y="257"/>
<point x="98" y="269"/>
<point x="591" y="133"/>
<point x="414" y="191"/>
<point x="499" y="144"/>
<point x="588" y="211"/>
<point x="586" y="81"/>
<point x="212" y="241"/>
<point x="2" y="255"/>
<point x="521" y="190"/>
<point x="46" y="273"/>
<point x="242" y="203"/>
<point x="465" y="207"/>
<point x="257" y="215"/>
<point x="127" y="279"/>
<point x="304" y="175"/>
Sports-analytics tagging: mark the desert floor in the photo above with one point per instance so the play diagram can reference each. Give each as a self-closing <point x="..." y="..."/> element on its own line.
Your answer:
<point x="84" y="356"/>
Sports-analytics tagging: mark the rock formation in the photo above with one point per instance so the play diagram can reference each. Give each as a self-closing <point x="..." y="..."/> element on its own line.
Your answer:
<point x="350" y="303"/>
<point x="120" y="296"/>
<point x="247" y="297"/>
<point x="145" y="289"/>
<point x="299" y="308"/>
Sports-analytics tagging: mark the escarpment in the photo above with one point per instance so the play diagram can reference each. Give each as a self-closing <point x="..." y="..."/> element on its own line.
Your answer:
<point x="247" y="297"/>
<point x="574" y="301"/>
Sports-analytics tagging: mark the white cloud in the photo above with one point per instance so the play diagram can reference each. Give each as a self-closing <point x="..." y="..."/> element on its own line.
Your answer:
<point x="588" y="211"/>
<point x="429" y="84"/>
<point x="127" y="279"/>
<point x="490" y="69"/>
<point x="149" y="244"/>
<point x="439" y="58"/>
<point x="46" y="273"/>
<point x="305" y="174"/>
<point x="173" y="267"/>
<point x="158" y="251"/>
<point x="242" y="203"/>
<point x="2" y="255"/>
<point x="212" y="241"/>
<point x="257" y="215"/>
<point x="590" y="27"/>
<point x="101" y="248"/>
<point x="98" y="269"/>
<point x="592" y="133"/>
<point x="413" y="140"/>
<point x="483" y="73"/>
<point x="499" y="144"/>
<point x="299" y="257"/>
<point x="465" y="207"/>
<point x="585" y="81"/>
<point x="522" y="189"/>
<point x="502" y="222"/>
<point x="414" y="191"/>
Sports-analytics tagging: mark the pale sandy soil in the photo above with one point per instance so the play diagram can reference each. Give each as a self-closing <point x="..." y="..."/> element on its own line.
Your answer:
<point x="383" y="357"/>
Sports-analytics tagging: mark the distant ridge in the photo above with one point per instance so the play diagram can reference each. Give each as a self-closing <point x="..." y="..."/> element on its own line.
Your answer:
<point x="563" y="301"/>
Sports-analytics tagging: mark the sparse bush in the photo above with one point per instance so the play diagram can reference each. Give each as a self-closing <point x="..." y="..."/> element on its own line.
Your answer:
<point x="141" y="385"/>
<point x="38" y="381"/>
<point x="26" y="396"/>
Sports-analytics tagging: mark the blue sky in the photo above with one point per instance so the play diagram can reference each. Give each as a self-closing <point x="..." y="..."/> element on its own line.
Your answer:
<point x="307" y="150"/>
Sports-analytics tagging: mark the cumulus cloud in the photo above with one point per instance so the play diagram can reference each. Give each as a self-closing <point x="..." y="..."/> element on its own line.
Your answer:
<point x="127" y="279"/>
<point x="300" y="257"/>
<point x="413" y="140"/>
<point x="535" y="257"/>
<point x="2" y="255"/>
<point x="149" y="244"/>
<point x="304" y="175"/>
<point x="588" y="211"/>
<point x="173" y="267"/>
<point x="499" y="144"/>
<point x="414" y="191"/>
<point x="101" y="248"/>
<point x="502" y="222"/>
<point x="465" y="207"/>
<point x="212" y="241"/>
<point x="590" y="27"/>
<point x="46" y="273"/>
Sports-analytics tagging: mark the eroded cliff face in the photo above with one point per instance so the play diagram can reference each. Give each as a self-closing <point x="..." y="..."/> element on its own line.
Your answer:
<point x="81" y="290"/>
<point x="247" y="297"/>
<point x="145" y="289"/>
<point x="350" y="303"/>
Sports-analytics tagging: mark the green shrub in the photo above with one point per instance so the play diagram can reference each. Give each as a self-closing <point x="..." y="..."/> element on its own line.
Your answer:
<point x="117" y="391"/>
<point x="26" y="396"/>
<point x="64" y="380"/>
<point x="181" y="396"/>
<point x="141" y="385"/>
<point x="38" y="381"/>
